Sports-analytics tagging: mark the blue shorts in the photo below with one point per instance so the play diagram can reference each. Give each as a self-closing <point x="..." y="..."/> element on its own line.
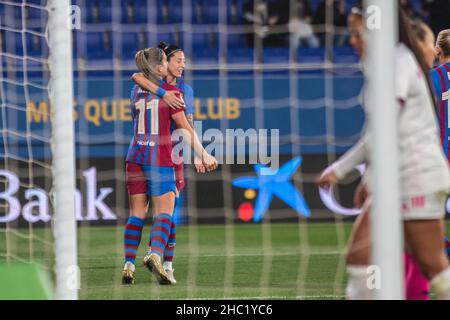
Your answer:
<point x="152" y="180"/>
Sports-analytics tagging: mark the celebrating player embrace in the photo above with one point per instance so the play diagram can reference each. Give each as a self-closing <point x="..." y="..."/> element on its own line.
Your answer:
<point x="150" y="168"/>
<point x="176" y="65"/>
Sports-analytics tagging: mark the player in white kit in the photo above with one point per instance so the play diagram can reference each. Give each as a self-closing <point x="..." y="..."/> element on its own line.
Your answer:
<point x="424" y="176"/>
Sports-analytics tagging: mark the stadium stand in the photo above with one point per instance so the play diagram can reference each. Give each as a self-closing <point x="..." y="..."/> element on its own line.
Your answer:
<point x="140" y="28"/>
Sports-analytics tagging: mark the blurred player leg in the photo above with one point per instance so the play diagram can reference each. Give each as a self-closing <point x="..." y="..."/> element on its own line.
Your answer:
<point x="447" y="247"/>
<point x="424" y="237"/>
<point x="417" y="286"/>
<point x="358" y="258"/>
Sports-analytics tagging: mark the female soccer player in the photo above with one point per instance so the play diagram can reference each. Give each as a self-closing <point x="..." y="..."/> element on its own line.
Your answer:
<point x="421" y="159"/>
<point x="176" y="66"/>
<point x="149" y="166"/>
<point x="441" y="82"/>
<point x="417" y="285"/>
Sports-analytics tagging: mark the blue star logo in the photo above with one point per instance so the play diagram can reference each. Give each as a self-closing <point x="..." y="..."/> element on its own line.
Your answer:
<point x="270" y="183"/>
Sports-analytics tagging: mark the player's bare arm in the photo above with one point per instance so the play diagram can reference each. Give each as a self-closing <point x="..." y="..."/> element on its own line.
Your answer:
<point x="361" y="194"/>
<point x="169" y="97"/>
<point x="208" y="160"/>
<point x="199" y="167"/>
<point x="190" y="119"/>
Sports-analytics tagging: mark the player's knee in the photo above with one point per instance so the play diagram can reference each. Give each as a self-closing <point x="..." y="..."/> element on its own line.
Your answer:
<point x="430" y="267"/>
<point x="351" y="258"/>
<point x="357" y="257"/>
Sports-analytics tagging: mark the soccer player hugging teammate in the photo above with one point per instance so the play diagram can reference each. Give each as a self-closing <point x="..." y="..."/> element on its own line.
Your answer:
<point x="421" y="159"/>
<point x="150" y="168"/>
<point x="176" y="66"/>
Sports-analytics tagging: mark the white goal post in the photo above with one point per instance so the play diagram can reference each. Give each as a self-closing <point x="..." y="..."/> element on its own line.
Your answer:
<point x="386" y="225"/>
<point x="63" y="149"/>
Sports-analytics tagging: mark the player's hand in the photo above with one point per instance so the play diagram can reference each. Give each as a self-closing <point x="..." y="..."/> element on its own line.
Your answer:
<point x="361" y="195"/>
<point x="200" y="168"/>
<point x="209" y="162"/>
<point x="327" y="179"/>
<point x="172" y="100"/>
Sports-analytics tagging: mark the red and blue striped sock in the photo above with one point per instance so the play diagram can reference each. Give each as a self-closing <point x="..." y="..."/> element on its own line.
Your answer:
<point x="132" y="238"/>
<point x="160" y="233"/>
<point x="169" y="251"/>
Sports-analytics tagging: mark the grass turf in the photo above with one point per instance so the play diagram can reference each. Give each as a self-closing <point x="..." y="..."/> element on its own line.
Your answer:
<point x="253" y="261"/>
<point x="285" y="261"/>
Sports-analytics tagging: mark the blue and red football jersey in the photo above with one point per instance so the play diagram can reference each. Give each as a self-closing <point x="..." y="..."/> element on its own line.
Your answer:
<point x="152" y="119"/>
<point x="188" y="96"/>
<point x="441" y="82"/>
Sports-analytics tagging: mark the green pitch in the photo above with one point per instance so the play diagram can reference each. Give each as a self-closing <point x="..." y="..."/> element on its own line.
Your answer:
<point x="285" y="261"/>
<point x="245" y="261"/>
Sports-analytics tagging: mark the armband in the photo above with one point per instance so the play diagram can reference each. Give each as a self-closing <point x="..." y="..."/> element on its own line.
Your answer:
<point x="160" y="92"/>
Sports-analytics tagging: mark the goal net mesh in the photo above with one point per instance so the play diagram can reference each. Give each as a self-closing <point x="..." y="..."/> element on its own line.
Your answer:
<point x="286" y="74"/>
<point x="26" y="183"/>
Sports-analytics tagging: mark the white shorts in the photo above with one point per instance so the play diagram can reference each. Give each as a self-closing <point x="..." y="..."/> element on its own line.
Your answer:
<point x="428" y="207"/>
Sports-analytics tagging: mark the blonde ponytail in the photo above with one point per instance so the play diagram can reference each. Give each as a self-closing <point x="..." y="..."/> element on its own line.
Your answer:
<point x="443" y="42"/>
<point x="147" y="60"/>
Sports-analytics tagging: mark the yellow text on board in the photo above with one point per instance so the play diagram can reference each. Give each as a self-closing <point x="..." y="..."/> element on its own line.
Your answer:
<point x="98" y="111"/>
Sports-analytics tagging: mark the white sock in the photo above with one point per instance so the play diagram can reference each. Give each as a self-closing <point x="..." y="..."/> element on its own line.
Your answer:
<point x="129" y="266"/>
<point x="440" y="285"/>
<point x="357" y="288"/>
<point x="167" y="265"/>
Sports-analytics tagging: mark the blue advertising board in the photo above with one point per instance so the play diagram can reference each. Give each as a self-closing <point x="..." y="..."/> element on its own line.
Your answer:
<point x="314" y="114"/>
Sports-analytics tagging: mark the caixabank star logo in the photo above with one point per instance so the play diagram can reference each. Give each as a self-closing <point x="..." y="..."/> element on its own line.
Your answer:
<point x="269" y="183"/>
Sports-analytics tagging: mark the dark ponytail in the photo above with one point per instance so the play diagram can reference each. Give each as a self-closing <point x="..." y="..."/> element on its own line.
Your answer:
<point x="169" y="49"/>
<point x="406" y="36"/>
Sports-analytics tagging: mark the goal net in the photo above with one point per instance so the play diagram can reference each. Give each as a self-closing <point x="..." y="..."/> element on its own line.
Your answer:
<point x="36" y="148"/>
<point x="287" y="87"/>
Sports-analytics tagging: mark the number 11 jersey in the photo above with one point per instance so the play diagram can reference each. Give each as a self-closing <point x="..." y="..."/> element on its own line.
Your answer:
<point x="152" y="118"/>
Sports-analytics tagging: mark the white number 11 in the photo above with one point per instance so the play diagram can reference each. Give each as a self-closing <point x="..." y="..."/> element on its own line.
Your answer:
<point x="154" y="115"/>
